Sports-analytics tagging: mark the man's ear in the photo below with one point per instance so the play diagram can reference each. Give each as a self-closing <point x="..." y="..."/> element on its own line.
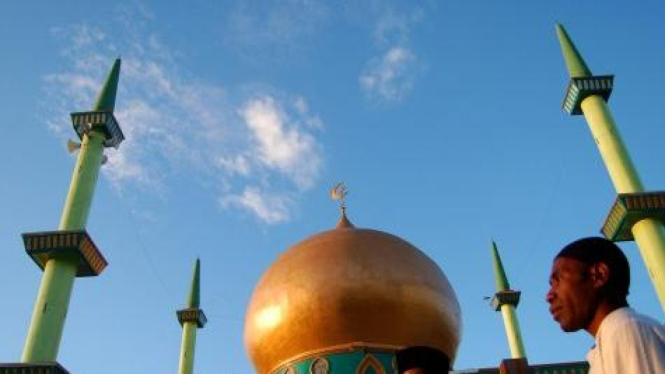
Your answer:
<point x="600" y="274"/>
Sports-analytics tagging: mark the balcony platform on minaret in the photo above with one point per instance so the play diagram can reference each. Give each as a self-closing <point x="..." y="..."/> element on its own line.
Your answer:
<point x="192" y="315"/>
<point x="103" y="120"/>
<point x="628" y="209"/>
<point x="505" y="297"/>
<point x="33" y="368"/>
<point x="579" y="88"/>
<point x="43" y="246"/>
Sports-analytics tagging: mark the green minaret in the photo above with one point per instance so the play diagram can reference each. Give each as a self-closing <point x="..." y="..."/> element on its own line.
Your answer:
<point x="506" y="300"/>
<point x="636" y="214"/>
<point x="70" y="252"/>
<point x="191" y="318"/>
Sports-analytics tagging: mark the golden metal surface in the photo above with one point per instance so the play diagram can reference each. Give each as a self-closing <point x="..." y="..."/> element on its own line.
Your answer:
<point x="350" y="285"/>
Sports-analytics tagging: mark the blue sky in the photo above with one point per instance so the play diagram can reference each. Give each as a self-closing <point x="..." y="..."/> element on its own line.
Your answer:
<point x="443" y="118"/>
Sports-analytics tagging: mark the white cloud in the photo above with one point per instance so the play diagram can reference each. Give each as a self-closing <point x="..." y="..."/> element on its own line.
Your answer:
<point x="81" y="35"/>
<point x="269" y="208"/>
<point x="125" y="169"/>
<point x="238" y="164"/>
<point x="301" y="105"/>
<point x="280" y="144"/>
<point x="76" y="86"/>
<point x="390" y="77"/>
<point x="176" y="124"/>
<point x="395" y="28"/>
<point x="311" y="121"/>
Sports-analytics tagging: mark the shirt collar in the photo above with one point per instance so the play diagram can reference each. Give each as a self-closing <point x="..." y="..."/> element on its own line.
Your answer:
<point x="610" y="318"/>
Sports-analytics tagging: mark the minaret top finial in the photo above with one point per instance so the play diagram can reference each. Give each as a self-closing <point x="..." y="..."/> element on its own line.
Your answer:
<point x="106" y="97"/>
<point x="499" y="274"/>
<point x="338" y="193"/>
<point x="194" y="299"/>
<point x="574" y="61"/>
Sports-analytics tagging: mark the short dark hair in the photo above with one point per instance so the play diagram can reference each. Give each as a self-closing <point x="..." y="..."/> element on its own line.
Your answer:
<point x="431" y="360"/>
<point x="593" y="250"/>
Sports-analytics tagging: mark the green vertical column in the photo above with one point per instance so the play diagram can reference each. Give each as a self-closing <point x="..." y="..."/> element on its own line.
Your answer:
<point x="50" y="311"/>
<point x="187" y="348"/>
<point x="191" y="318"/>
<point x="588" y="94"/>
<point x="506" y="300"/>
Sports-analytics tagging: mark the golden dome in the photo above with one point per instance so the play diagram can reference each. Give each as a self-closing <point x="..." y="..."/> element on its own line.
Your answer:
<point x="350" y="286"/>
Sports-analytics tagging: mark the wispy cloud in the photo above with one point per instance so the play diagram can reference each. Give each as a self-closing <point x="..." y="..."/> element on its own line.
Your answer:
<point x="268" y="207"/>
<point x="390" y="75"/>
<point x="281" y="145"/>
<point x="254" y="146"/>
<point x="394" y="27"/>
<point x="277" y="29"/>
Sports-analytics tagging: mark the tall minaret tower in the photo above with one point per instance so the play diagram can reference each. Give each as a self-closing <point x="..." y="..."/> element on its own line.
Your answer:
<point x="636" y="214"/>
<point x="70" y="252"/>
<point x="506" y="300"/>
<point x="191" y="318"/>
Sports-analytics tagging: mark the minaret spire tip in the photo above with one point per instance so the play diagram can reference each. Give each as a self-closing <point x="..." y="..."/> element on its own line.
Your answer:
<point x="194" y="299"/>
<point x="499" y="273"/>
<point x="106" y="98"/>
<point x="574" y="61"/>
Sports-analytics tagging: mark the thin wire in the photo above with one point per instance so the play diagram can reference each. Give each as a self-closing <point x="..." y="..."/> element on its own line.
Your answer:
<point x="143" y="247"/>
<point x="144" y="250"/>
<point x="532" y="249"/>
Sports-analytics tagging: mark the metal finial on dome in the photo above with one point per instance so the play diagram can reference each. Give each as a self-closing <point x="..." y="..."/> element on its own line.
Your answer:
<point x="338" y="193"/>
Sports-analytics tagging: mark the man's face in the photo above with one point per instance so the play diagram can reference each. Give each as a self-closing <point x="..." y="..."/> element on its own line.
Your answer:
<point x="572" y="296"/>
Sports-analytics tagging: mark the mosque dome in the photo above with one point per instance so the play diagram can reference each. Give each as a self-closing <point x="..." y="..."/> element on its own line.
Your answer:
<point x="349" y="287"/>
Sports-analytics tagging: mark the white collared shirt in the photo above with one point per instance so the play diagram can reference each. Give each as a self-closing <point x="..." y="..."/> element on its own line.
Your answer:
<point x="628" y="343"/>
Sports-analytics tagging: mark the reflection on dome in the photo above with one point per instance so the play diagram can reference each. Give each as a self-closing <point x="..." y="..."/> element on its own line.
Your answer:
<point x="269" y="317"/>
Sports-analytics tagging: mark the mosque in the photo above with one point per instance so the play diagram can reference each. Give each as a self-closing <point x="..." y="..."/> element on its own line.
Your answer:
<point x="347" y="300"/>
<point x="330" y="303"/>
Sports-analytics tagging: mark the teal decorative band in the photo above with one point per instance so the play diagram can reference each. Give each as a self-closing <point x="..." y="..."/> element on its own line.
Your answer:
<point x="628" y="209"/>
<point x="43" y="246"/>
<point x="505" y="297"/>
<point x="350" y="360"/>
<point x="580" y="88"/>
<point x="103" y="120"/>
<point x="192" y="315"/>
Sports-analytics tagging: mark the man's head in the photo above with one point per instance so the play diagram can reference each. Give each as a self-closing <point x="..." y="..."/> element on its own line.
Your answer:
<point x="590" y="278"/>
<point x="422" y="360"/>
